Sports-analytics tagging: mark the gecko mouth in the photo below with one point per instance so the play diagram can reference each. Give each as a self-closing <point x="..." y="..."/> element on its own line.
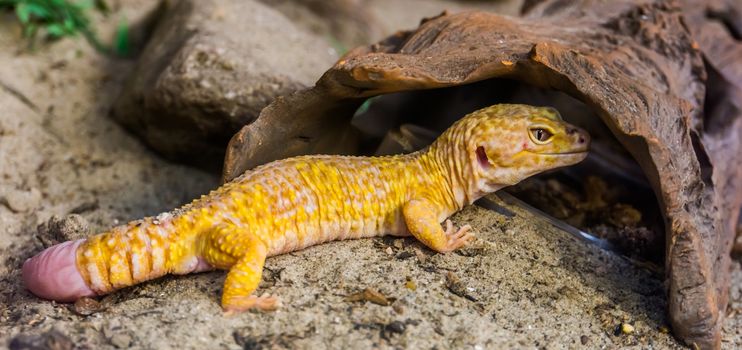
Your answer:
<point x="561" y="153"/>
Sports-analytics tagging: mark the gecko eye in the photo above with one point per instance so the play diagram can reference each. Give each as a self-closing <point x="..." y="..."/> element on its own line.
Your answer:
<point x="540" y="135"/>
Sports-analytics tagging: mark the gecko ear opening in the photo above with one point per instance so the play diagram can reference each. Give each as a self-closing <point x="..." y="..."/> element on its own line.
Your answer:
<point x="482" y="158"/>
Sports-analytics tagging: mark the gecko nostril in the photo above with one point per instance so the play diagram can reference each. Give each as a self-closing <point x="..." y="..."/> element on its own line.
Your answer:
<point x="581" y="140"/>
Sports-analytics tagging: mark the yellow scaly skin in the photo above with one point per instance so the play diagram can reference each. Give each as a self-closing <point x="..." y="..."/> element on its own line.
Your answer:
<point x="295" y="203"/>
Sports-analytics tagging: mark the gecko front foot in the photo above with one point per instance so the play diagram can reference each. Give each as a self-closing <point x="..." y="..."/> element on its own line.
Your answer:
<point x="457" y="238"/>
<point x="239" y="304"/>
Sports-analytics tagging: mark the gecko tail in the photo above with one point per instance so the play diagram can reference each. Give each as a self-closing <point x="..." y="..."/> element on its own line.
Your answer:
<point x="52" y="274"/>
<point x="123" y="256"/>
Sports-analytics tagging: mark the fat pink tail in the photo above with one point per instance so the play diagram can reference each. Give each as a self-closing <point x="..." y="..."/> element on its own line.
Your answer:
<point x="52" y="274"/>
<point x="123" y="256"/>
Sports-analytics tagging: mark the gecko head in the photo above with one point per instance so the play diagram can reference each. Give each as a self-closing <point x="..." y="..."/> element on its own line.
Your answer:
<point x="508" y="143"/>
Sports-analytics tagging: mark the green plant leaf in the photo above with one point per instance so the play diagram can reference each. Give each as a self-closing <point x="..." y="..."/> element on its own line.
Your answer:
<point x="69" y="25"/>
<point x="55" y="30"/>
<point x="60" y="18"/>
<point x="23" y="13"/>
<point x="121" y="44"/>
<point x="85" y="4"/>
<point x="37" y="10"/>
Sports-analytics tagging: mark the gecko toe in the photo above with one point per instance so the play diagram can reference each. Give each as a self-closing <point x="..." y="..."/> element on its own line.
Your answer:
<point x="264" y="302"/>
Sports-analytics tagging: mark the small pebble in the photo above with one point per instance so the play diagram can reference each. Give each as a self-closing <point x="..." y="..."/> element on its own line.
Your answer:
<point x="86" y="306"/>
<point x="398" y="243"/>
<point x="410" y="285"/>
<point x="121" y="340"/>
<point x="584" y="340"/>
<point x="389" y="251"/>
<point x="395" y="327"/>
<point x="371" y="295"/>
<point x="627" y="328"/>
<point x="398" y="307"/>
<point x="421" y="257"/>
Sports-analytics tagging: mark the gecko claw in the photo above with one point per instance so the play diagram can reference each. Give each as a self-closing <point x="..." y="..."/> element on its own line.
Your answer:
<point x="457" y="238"/>
<point x="263" y="303"/>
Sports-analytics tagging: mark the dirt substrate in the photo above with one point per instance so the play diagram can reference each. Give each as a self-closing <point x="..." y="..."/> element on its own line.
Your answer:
<point x="522" y="284"/>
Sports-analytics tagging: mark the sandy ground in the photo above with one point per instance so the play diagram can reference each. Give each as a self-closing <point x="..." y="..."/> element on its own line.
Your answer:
<point x="522" y="284"/>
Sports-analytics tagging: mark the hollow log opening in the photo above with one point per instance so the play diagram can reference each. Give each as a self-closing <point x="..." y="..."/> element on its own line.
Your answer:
<point x="607" y="195"/>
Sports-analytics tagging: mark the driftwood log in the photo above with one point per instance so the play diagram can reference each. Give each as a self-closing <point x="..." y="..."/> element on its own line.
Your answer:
<point x="665" y="77"/>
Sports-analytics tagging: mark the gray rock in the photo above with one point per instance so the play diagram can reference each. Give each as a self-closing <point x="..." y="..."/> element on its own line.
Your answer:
<point x="209" y="68"/>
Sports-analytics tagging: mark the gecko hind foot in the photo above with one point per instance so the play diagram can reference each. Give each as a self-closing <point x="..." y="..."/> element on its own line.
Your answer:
<point x="457" y="238"/>
<point x="239" y="304"/>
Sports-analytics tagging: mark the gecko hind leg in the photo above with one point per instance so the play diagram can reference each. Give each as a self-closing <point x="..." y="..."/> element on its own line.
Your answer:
<point x="242" y="280"/>
<point x="244" y="255"/>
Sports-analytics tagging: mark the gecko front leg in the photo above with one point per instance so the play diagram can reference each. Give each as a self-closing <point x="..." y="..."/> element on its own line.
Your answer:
<point x="421" y="218"/>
